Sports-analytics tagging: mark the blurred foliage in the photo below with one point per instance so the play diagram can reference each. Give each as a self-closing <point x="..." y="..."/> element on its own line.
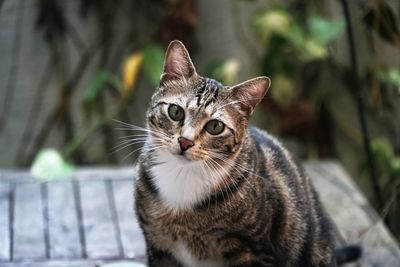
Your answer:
<point x="226" y="71"/>
<point x="388" y="169"/>
<point x="390" y="76"/>
<point x="382" y="19"/>
<point x="290" y="46"/>
<point x="127" y="47"/>
<point x="297" y="50"/>
<point x="153" y="63"/>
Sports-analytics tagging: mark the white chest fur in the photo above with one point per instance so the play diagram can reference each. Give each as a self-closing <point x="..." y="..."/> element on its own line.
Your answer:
<point x="182" y="253"/>
<point x="181" y="183"/>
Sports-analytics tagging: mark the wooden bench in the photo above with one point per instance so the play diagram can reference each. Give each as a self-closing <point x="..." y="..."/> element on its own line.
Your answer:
<point x="88" y="220"/>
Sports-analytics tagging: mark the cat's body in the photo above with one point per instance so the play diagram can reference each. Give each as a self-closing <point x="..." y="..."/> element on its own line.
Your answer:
<point x="272" y="216"/>
<point x="212" y="192"/>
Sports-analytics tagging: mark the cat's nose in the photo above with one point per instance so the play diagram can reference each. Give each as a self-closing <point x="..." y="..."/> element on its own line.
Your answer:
<point x="185" y="143"/>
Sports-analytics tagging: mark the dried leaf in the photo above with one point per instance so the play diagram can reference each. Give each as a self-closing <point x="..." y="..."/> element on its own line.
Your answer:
<point x="130" y="72"/>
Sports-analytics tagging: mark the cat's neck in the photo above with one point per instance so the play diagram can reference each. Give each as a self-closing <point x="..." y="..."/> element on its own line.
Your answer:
<point x="180" y="184"/>
<point x="183" y="184"/>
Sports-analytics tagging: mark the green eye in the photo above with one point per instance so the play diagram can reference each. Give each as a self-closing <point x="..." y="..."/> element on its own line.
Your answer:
<point x="215" y="127"/>
<point x="176" y="112"/>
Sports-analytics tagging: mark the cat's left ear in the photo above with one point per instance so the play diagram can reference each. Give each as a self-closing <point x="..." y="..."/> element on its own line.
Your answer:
<point x="177" y="63"/>
<point x="251" y="92"/>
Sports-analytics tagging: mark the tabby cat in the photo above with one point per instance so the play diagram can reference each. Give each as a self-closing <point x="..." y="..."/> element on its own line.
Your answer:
<point x="212" y="191"/>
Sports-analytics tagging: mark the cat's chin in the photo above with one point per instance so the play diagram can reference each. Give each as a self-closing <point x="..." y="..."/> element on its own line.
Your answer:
<point x="182" y="158"/>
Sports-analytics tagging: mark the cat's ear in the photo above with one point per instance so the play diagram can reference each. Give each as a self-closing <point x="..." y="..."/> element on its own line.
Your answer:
<point x="177" y="63"/>
<point x="251" y="92"/>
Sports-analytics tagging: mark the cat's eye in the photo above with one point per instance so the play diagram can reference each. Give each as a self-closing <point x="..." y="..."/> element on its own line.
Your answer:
<point x="176" y="112"/>
<point x="215" y="127"/>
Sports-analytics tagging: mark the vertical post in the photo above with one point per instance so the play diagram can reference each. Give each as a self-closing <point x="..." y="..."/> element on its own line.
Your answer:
<point x="360" y="106"/>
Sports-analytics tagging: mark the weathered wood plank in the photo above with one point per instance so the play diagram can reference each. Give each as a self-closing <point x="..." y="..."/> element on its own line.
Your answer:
<point x="28" y="242"/>
<point x="4" y="222"/>
<point x="354" y="218"/>
<point x="74" y="263"/>
<point x="63" y="222"/>
<point x="83" y="174"/>
<point x="100" y="235"/>
<point x="131" y="234"/>
<point x="18" y="176"/>
<point x="53" y="264"/>
<point x="356" y="221"/>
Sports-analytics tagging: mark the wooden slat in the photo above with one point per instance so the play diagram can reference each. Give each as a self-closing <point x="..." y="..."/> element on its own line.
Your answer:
<point x="83" y="174"/>
<point x="356" y="221"/>
<point x="131" y="234"/>
<point x="75" y="263"/>
<point x="28" y="223"/>
<point x="4" y="222"/>
<point x="53" y="264"/>
<point x="100" y="235"/>
<point x="15" y="177"/>
<point x="63" y="223"/>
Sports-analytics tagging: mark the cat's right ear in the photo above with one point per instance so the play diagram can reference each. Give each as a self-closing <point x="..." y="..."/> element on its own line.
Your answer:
<point x="251" y="92"/>
<point x="177" y="63"/>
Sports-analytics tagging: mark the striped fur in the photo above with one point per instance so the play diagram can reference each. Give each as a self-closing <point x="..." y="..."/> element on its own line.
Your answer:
<point x="233" y="199"/>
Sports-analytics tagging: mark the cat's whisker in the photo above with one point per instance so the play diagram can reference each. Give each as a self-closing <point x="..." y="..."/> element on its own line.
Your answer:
<point x="150" y="148"/>
<point x="144" y="130"/>
<point x="227" y="174"/>
<point x="127" y="126"/>
<point x="238" y="168"/>
<point x="143" y="135"/>
<point x="233" y="164"/>
<point x="220" y="178"/>
<point x="133" y="139"/>
<point x="141" y="138"/>
<point x="211" y="175"/>
<point x="125" y="145"/>
<point x="133" y="135"/>
<point x="129" y="143"/>
<point x="127" y="140"/>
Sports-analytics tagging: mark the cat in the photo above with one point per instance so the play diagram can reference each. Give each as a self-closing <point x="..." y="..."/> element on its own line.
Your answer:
<point x="212" y="191"/>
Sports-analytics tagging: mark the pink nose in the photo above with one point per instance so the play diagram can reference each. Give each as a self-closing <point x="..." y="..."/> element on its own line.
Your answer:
<point x="185" y="143"/>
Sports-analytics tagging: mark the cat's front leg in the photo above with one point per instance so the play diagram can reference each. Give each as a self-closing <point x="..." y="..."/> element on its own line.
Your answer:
<point x="159" y="258"/>
<point x="246" y="259"/>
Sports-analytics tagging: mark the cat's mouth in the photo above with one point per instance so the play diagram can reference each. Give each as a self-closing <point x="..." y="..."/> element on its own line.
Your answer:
<point x="182" y="157"/>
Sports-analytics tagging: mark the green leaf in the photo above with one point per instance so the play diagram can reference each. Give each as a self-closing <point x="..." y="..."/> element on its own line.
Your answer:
<point x="324" y="31"/>
<point x="295" y="34"/>
<point x="391" y="75"/>
<point x="49" y="165"/>
<point x="224" y="72"/>
<point x="311" y="50"/>
<point x="94" y="89"/>
<point x="96" y="86"/>
<point x="395" y="164"/>
<point x="284" y="90"/>
<point x="274" y="21"/>
<point x="383" y="153"/>
<point x="153" y="61"/>
<point x="115" y="82"/>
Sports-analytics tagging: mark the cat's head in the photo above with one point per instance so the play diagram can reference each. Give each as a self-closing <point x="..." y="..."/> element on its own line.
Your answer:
<point x="197" y="118"/>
